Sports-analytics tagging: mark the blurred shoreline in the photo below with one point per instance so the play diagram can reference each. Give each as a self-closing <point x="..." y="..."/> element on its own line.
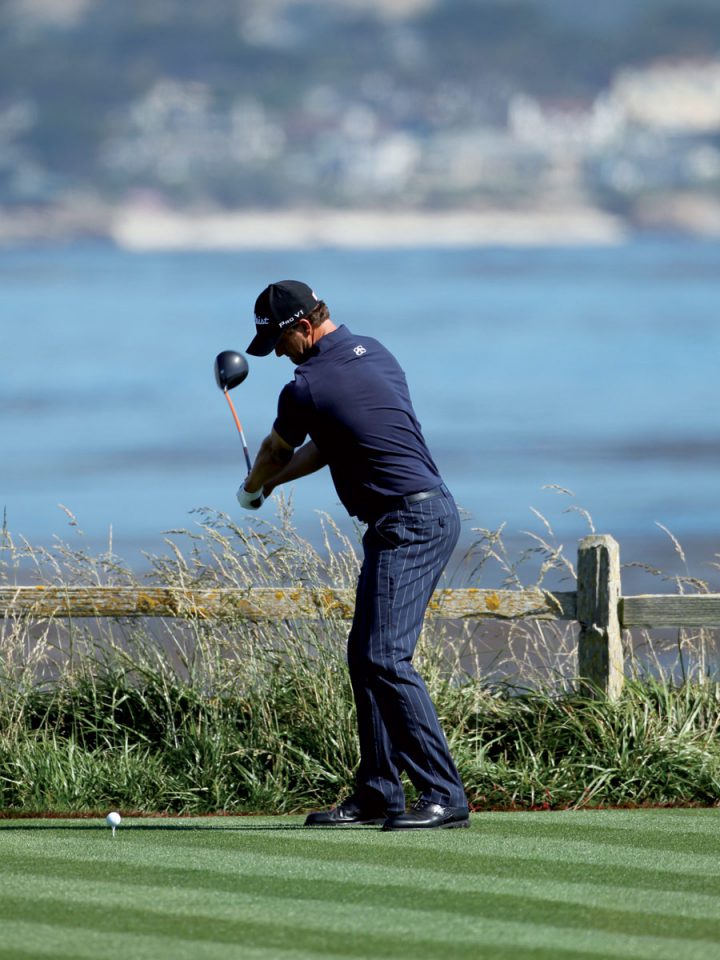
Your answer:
<point x="146" y="228"/>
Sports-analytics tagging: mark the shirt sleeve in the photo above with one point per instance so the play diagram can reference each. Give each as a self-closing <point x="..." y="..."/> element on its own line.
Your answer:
<point x="294" y="409"/>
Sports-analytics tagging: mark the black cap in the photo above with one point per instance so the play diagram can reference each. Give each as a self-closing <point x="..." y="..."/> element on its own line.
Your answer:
<point x="277" y="308"/>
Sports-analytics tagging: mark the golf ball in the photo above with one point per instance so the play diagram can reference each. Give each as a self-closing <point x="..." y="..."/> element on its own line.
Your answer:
<point x="113" y="819"/>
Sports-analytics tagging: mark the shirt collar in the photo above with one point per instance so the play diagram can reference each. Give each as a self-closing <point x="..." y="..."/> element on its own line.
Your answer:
<point x="339" y="335"/>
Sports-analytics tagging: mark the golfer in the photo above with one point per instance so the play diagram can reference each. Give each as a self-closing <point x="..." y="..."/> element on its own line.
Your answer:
<point x="350" y="398"/>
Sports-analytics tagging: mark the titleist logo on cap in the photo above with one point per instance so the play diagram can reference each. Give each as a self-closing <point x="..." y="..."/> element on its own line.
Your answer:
<point x="278" y="307"/>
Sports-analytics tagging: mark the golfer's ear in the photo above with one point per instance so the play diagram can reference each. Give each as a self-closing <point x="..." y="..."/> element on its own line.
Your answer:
<point x="278" y="444"/>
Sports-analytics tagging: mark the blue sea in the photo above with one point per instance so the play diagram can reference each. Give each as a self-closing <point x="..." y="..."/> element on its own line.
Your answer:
<point x="594" y="370"/>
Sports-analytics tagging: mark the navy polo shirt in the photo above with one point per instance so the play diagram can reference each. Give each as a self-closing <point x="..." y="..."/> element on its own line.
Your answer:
<point x="351" y="397"/>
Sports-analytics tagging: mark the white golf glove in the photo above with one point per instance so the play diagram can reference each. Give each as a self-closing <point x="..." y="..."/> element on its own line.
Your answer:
<point x="249" y="499"/>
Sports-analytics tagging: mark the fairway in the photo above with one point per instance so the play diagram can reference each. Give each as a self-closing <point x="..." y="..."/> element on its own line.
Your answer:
<point x="622" y="883"/>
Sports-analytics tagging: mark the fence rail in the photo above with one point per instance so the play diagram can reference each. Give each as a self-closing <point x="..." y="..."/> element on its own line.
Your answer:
<point x="270" y="603"/>
<point x="597" y="605"/>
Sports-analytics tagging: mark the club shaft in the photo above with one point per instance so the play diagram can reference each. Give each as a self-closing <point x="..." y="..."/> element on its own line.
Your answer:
<point x="240" y="431"/>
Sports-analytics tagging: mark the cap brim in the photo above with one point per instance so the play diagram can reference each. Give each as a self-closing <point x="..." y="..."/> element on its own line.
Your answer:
<point x="261" y="346"/>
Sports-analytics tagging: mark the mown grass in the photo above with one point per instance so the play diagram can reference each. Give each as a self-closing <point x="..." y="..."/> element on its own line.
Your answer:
<point x="621" y="883"/>
<point x="202" y="716"/>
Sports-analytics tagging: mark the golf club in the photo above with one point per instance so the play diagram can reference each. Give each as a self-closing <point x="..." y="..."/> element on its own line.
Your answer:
<point x="231" y="368"/>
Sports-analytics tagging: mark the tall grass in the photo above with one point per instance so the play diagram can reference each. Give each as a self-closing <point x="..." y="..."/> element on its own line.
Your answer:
<point x="201" y="716"/>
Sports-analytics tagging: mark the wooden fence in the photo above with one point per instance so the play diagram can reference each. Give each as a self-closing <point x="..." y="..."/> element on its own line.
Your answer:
<point x="597" y="605"/>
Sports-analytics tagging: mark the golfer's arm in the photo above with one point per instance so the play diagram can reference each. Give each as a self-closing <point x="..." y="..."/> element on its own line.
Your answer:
<point x="305" y="460"/>
<point x="272" y="456"/>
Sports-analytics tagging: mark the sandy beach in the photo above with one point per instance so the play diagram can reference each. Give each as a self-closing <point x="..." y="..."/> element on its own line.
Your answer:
<point x="141" y="229"/>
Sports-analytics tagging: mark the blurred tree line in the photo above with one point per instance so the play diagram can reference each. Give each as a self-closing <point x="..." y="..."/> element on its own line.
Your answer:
<point x="77" y="78"/>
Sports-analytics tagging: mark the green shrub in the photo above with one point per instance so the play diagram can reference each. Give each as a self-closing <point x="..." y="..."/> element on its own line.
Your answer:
<point x="202" y="716"/>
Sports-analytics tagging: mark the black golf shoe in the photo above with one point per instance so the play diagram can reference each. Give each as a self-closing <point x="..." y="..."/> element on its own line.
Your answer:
<point x="346" y="814"/>
<point x="426" y="815"/>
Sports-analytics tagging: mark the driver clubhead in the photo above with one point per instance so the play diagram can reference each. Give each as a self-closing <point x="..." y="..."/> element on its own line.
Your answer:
<point x="231" y="368"/>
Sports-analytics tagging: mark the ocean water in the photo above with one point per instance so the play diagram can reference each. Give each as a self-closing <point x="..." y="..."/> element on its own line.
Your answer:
<point x="590" y="369"/>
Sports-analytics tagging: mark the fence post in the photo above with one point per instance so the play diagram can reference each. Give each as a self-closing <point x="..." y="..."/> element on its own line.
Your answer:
<point x="600" y="658"/>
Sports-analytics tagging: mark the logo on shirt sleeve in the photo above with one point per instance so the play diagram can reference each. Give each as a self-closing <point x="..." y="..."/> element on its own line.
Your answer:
<point x="359" y="351"/>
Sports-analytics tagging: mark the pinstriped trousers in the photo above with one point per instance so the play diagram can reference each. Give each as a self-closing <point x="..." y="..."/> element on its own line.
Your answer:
<point x="405" y="552"/>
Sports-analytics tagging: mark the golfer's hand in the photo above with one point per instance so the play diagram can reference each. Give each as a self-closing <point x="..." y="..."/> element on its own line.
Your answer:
<point x="250" y="499"/>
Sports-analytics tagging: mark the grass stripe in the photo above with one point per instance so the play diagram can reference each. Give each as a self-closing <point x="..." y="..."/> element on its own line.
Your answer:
<point x="692" y="819"/>
<point x="336" y="932"/>
<point x="603" y="832"/>
<point x="654" y="876"/>
<point x="86" y="945"/>
<point x="372" y="887"/>
<point x="494" y="892"/>
<point x="673" y="820"/>
<point x="399" y="850"/>
<point x="42" y="941"/>
<point x="619" y="911"/>
<point x="569" y="842"/>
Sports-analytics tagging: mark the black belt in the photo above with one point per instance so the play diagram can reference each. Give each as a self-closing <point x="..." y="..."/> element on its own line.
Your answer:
<point x="398" y="503"/>
<point x="424" y="495"/>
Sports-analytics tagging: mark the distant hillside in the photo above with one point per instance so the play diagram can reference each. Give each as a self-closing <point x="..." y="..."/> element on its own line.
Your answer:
<point x="108" y="96"/>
